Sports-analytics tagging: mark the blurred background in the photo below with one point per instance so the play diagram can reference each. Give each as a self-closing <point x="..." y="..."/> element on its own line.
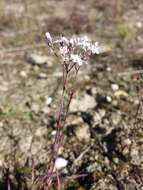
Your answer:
<point x="107" y="130"/>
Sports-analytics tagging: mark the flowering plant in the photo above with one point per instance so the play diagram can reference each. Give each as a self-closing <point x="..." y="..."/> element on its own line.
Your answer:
<point x="73" y="53"/>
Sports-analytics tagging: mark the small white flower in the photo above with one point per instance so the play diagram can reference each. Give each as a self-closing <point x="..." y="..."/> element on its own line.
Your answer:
<point x="95" y="48"/>
<point x="71" y="41"/>
<point x="86" y="45"/>
<point x="96" y="43"/>
<point x="49" y="38"/>
<point x="60" y="163"/>
<point x="63" y="50"/>
<point x="76" y="59"/>
<point x="64" y="39"/>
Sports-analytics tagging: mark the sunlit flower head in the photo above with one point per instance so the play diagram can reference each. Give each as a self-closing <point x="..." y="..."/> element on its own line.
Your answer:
<point x="75" y="50"/>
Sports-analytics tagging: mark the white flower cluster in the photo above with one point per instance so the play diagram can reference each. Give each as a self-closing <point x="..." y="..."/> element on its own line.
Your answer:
<point x="74" y="50"/>
<point x="87" y="45"/>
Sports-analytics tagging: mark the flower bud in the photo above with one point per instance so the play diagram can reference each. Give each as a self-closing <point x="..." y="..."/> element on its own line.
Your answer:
<point x="49" y="38"/>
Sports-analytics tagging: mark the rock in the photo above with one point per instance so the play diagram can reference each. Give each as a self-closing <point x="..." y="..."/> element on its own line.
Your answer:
<point x="109" y="99"/>
<point x="53" y="133"/>
<point x="46" y="110"/>
<point x="97" y="118"/>
<point x="107" y="183"/>
<point x="83" y="103"/>
<point x="1" y="124"/>
<point x="42" y="76"/>
<point x="131" y="185"/>
<point x="127" y="142"/>
<point x="120" y="93"/>
<point x="136" y="155"/>
<point x="36" y="59"/>
<point x="116" y="118"/>
<point x="81" y="129"/>
<point x="23" y="74"/>
<point x="35" y="107"/>
<point x="116" y="160"/>
<point x="114" y="87"/>
<point x="139" y="24"/>
<point x="49" y="100"/>
<point x="93" y="167"/>
<point x="109" y="69"/>
<point x="60" y="163"/>
<point x="74" y="120"/>
<point x="82" y="132"/>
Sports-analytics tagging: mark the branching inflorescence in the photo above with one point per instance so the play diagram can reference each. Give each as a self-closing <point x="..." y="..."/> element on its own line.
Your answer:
<point x="73" y="53"/>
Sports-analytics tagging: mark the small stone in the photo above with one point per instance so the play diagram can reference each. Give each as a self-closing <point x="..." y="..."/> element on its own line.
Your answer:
<point x="42" y="76"/>
<point x="35" y="108"/>
<point x="106" y="161"/>
<point x="114" y="102"/>
<point x="108" y="69"/>
<point x="139" y="24"/>
<point x="125" y="151"/>
<point x="83" y="104"/>
<point x="74" y="120"/>
<point x="4" y="88"/>
<point x="116" y="160"/>
<point x="60" y="163"/>
<point x="115" y="87"/>
<point x="127" y="142"/>
<point x="136" y="102"/>
<point x="36" y="59"/>
<point x="92" y="167"/>
<point x="97" y="118"/>
<point x="46" y="110"/>
<point x="82" y="132"/>
<point x="116" y="118"/>
<point x="48" y="101"/>
<point x="53" y="133"/>
<point x="120" y="93"/>
<point x="23" y="74"/>
<point x="136" y="157"/>
<point x="109" y="99"/>
<point x="102" y="112"/>
<point x="94" y="90"/>
<point x="1" y="124"/>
